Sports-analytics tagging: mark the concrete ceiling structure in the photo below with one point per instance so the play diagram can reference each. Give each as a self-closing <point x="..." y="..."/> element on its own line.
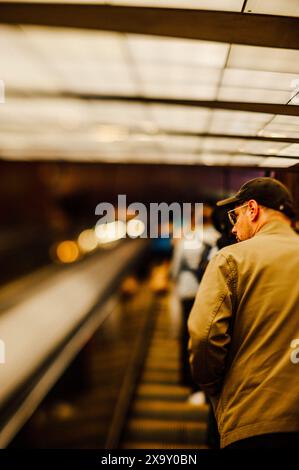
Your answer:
<point x="167" y="82"/>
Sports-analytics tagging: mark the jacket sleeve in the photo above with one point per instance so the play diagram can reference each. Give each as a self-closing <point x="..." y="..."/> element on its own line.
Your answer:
<point x="209" y="324"/>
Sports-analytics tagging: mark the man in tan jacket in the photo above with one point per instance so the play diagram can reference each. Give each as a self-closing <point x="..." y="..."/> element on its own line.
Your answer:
<point x="244" y="324"/>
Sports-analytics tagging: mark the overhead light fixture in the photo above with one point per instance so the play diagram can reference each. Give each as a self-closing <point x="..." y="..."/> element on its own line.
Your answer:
<point x="67" y="251"/>
<point x="109" y="133"/>
<point x="279" y="162"/>
<point x="277" y="135"/>
<point x="135" y="228"/>
<point x="272" y="151"/>
<point x="87" y="241"/>
<point x="110" y="232"/>
<point x="149" y="127"/>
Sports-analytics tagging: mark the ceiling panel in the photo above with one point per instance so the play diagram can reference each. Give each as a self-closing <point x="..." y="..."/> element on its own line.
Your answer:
<point x="60" y="60"/>
<point x="179" y="159"/>
<point x="191" y="74"/>
<point x="55" y="59"/>
<point x="177" y="80"/>
<point x="273" y="7"/>
<point x="279" y="162"/>
<point x="259" y="79"/>
<point x="279" y="133"/>
<point x="69" y="45"/>
<point x="295" y="98"/>
<point x="20" y="66"/>
<point x="263" y="58"/>
<point x="245" y="160"/>
<point x="234" y="122"/>
<point x="164" y="51"/>
<point x="291" y="150"/>
<point x="43" y="115"/>
<point x="96" y="78"/>
<point x="225" y="145"/>
<point x="225" y="160"/>
<point x="258" y="86"/>
<point x="175" y="90"/>
<point x="81" y="60"/>
<point x="263" y="148"/>
<point x="125" y="114"/>
<point x="282" y="126"/>
<point x="2" y="92"/>
<point x="211" y="159"/>
<point x="180" y="118"/>
<point x="176" y="143"/>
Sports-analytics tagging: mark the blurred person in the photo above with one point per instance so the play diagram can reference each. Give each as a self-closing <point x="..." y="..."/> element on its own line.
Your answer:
<point x="244" y="323"/>
<point x="188" y="264"/>
<point x="161" y="246"/>
<point x="129" y="286"/>
<point x="159" y="281"/>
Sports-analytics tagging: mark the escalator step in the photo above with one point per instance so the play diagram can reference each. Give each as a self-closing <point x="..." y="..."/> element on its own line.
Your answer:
<point x="152" y="365"/>
<point x="166" y="431"/>
<point x="162" y="392"/>
<point x="160" y="445"/>
<point x="169" y="410"/>
<point x="172" y="377"/>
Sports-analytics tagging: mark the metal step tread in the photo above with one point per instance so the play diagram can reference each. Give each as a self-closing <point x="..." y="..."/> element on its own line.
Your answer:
<point x="170" y="410"/>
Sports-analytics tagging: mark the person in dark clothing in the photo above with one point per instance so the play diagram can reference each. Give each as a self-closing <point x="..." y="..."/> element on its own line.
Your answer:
<point x="187" y="268"/>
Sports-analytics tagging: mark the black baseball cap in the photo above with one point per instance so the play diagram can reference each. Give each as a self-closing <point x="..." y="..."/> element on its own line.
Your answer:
<point x="268" y="192"/>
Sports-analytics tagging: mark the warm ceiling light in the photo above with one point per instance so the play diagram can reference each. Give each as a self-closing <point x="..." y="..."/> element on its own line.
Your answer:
<point x="87" y="241"/>
<point x="67" y="251"/>
<point x="272" y="151"/>
<point x="110" y="232"/>
<point x="135" y="228"/>
<point x="149" y="127"/>
<point x="279" y="162"/>
<point x="277" y="135"/>
<point x="109" y="133"/>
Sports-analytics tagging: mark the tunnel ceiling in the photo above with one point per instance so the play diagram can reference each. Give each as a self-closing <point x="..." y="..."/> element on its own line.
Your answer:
<point x="131" y="84"/>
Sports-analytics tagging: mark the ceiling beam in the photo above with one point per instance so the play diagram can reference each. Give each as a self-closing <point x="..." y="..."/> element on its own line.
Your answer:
<point x="230" y="27"/>
<point x="213" y="135"/>
<point x="240" y="154"/>
<point x="90" y="161"/>
<point x="267" y="108"/>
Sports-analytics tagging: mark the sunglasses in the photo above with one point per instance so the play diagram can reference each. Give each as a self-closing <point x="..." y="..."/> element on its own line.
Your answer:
<point x="233" y="217"/>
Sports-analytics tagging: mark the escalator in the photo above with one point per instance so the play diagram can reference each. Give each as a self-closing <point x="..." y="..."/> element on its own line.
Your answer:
<point x="160" y="415"/>
<point x="123" y="389"/>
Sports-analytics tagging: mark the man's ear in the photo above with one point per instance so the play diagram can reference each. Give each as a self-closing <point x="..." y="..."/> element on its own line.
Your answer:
<point x="254" y="209"/>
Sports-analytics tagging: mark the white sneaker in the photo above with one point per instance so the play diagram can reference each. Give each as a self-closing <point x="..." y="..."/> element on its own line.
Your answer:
<point x="197" y="398"/>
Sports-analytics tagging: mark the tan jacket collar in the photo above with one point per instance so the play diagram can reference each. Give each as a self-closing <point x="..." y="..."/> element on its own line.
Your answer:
<point x="276" y="227"/>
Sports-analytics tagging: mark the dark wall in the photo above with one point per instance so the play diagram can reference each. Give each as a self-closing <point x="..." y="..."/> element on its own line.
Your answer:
<point x="43" y="192"/>
<point x="291" y="180"/>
